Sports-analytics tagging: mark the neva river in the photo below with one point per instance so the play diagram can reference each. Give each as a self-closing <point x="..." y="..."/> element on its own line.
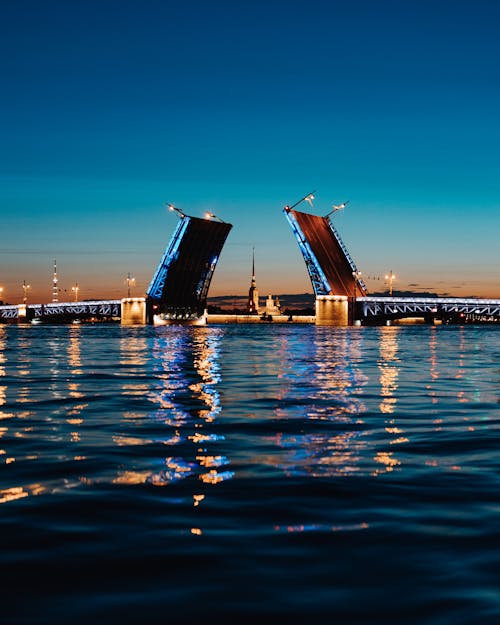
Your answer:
<point x="282" y="474"/>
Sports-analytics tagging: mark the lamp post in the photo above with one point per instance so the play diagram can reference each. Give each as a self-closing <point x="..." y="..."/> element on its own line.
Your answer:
<point x="26" y="287"/>
<point x="307" y="198"/>
<point x="209" y="215"/>
<point x="390" y="276"/>
<point x="129" y="282"/>
<point x="1" y="293"/>
<point x="75" y="290"/>
<point x="337" y="207"/>
<point x="171" y="207"/>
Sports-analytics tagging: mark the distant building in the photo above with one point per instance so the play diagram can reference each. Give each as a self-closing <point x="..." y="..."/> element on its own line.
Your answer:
<point x="273" y="307"/>
<point x="253" y="293"/>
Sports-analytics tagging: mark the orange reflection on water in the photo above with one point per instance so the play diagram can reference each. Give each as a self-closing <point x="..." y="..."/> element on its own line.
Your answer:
<point x="124" y="441"/>
<point x="461" y="353"/>
<point x="389" y="374"/>
<point x="433" y="368"/>
<point x="19" y="492"/>
<point x="131" y="478"/>
<point x="205" y="361"/>
<point x="74" y="358"/>
<point x="11" y="494"/>
<point x="24" y="347"/>
<point x="388" y="461"/>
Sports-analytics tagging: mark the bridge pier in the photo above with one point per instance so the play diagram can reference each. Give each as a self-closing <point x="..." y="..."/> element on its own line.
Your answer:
<point x="133" y="311"/>
<point x="22" y="312"/>
<point x="332" y="310"/>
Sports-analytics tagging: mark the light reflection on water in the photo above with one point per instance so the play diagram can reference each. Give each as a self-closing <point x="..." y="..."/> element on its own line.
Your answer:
<point x="325" y="403"/>
<point x="200" y="451"/>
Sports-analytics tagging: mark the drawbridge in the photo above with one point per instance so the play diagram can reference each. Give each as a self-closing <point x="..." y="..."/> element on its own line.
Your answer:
<point x="329" y="264"/>
<point x="179" y="288"/>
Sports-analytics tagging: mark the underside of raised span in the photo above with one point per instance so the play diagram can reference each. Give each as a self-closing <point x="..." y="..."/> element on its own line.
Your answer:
<point x="331" y="268"/>
<point x="181" y="281"/>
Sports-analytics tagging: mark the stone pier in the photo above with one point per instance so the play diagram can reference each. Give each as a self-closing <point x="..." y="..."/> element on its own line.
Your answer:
<point x="133" y="311"/>
<point x="332" y="310"/>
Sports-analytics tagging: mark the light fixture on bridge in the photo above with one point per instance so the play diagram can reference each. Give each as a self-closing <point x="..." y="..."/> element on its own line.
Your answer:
<point x="307" y="198"/>
<point x="390" y="276"/>
<point x="75" y="290"/>
<point x="209" y="215"/>
<point x="337" y="207"/>
<point x="129" y="281"/>
<point x="171" y="207"/>
<point x="26" y="287"/>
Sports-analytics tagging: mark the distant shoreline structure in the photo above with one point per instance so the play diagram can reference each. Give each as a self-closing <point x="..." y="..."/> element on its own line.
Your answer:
<point x="297" y="303"/>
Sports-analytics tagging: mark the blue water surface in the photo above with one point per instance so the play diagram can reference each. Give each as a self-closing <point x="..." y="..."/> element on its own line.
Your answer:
<point x="285" y="473"/>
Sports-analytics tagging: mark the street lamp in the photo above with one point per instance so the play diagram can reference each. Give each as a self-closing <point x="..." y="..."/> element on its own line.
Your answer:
<point x="25" y="292"/>
<point x="1" y="292"/>
<point x="129" y="282"/>
<point x="390" y="276"/>
<point x="171" y="207"/>
<point x="307" y="198"/>
<point x="337" y="207"/>
<point x="75" y="290"/>
<point x="209" y="215"/>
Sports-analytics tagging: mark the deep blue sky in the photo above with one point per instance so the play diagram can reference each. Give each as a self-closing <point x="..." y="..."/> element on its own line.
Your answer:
<point x="111" y="108"/>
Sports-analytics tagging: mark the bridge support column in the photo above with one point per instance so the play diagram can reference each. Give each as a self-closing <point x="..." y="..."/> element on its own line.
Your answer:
<point x="332" y="310"/>
<point x="22" y="312"/>
<point x="133" y="311"/>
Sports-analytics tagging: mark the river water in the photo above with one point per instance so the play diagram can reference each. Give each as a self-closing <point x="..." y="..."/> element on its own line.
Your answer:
<point x="285" y="473"/>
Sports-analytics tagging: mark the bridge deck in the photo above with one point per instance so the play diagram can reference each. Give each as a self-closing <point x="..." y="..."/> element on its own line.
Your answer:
<point x="328" y="261"/>
<point x="373" y="306"/>
<point x="101" y="308"/>
<point x="184" y="273"/>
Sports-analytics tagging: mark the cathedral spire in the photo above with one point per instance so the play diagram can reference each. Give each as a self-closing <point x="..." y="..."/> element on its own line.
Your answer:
<point x="253" y="293"/>
<point x="253" y="266"/>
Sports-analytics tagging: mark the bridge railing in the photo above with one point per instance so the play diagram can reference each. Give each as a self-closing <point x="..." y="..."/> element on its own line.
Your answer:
<point x="404" y="305"/>
<point x="106" y="308"/>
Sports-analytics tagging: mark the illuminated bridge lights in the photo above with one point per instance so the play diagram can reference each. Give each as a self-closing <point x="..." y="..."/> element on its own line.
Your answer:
<point x="102" y="308"/>
<point x="384" y="306"/>
<point x="157" y="285"/>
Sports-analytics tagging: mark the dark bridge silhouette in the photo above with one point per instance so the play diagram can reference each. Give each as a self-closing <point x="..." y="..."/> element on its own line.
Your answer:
<point x="329" y="264"/>
<point x="180" y="284"/>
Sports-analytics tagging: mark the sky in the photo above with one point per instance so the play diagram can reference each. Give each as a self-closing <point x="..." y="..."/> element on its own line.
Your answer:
<point x="110" y="109"/>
